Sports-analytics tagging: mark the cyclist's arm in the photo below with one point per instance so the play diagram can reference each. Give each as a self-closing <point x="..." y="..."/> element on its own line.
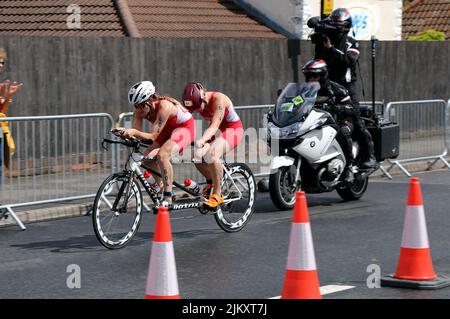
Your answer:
<point x="218" y="109"/>
<point x="138" y="119"/>
<point x="156" y="129"/>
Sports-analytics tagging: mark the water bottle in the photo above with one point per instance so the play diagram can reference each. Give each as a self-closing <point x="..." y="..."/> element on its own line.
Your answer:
<point x="191" y="185"/>
<point x="154" y="186"/>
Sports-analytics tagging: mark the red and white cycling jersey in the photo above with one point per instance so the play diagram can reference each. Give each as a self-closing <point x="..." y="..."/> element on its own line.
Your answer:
<point x="175" y="120"/>
<point x="230" y="114"/>
<point x="179" y="128"/>
<point x="231" y="128"/>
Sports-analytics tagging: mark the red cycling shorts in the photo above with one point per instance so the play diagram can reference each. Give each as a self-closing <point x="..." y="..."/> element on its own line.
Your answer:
<point x="183" y="135"/>
<point x="232" y="132"/>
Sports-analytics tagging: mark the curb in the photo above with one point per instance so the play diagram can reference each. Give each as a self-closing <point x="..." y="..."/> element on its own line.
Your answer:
<point x="48" y="213"/>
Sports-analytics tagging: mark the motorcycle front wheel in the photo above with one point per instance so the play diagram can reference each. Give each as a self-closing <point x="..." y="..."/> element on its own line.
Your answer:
<point x="283" y="187"/>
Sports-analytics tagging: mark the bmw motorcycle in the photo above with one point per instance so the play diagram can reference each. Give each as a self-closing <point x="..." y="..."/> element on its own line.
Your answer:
<point x="309" y="157"/>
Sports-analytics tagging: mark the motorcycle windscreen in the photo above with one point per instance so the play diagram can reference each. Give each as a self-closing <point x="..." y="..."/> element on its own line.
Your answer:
<point x="295" y="102"/>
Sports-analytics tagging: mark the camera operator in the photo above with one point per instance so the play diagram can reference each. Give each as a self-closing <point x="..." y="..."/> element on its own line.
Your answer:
<point x="340" y="52"/>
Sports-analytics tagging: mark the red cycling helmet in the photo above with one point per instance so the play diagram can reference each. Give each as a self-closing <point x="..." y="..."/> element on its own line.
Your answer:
<point x="193" y="96"/>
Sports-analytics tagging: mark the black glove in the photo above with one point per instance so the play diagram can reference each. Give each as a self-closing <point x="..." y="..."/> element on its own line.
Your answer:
<point x="331" y="108"/>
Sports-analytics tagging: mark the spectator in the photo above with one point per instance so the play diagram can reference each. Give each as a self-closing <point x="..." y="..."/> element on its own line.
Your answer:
<point x="7" y="90"/>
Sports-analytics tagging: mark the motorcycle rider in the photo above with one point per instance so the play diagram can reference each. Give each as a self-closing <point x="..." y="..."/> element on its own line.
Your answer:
<point x="341" y="53"/>
<point x="332" y="94"/>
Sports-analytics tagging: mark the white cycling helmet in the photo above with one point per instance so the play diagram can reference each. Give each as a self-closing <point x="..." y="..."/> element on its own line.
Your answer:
<point x="140" y="92"/>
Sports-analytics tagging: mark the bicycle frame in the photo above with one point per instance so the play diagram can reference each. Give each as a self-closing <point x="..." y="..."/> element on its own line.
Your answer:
<point x="135" y="166"/>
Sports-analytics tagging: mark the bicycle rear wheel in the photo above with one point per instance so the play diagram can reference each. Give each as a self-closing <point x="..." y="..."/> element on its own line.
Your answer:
<point x="239" y="195"/>
<point x="115" y="228"/>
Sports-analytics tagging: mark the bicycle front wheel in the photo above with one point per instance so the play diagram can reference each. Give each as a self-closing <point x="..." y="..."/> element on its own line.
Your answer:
<point x="239" y="193"/>
<point x="117" y="211"/>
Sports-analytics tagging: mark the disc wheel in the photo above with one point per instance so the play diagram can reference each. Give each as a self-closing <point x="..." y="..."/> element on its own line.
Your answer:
<point x="239" y="199"/>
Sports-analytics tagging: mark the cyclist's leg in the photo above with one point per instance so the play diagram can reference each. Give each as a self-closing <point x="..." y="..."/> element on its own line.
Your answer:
<point x="164" y="155"/>
<point x="229" y="139"/>
<point x="219" y="147"/>
<point x="180" y="138"/>
<point x="151" y="152"/>
<point x="204" y="168"/>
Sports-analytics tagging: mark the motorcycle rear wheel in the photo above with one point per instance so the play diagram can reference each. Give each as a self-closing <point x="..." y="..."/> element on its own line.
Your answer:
<point x="354" y="191"/>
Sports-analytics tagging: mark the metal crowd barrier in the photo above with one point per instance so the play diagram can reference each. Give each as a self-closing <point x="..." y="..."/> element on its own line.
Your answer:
<point x="423" y="131"/>
<point x="57" y="158"/>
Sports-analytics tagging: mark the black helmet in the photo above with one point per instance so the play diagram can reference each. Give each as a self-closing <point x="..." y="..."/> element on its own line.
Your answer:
<point x="341" y="18"/>
<point x="315" y="67"/>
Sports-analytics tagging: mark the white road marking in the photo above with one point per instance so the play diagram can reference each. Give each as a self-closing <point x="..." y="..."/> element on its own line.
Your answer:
<point x="329" y="289"/>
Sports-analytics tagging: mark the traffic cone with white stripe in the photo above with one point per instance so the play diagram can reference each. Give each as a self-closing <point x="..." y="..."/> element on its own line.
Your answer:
<point x="301" y="280"/>
<point x="415" y="267"/>
<point x="162" y="282"/>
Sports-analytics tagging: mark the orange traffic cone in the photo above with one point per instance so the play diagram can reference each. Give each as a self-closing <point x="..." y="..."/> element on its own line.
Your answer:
<point x="415" y="267"/>
<point x="162" y="282"/>
<point x="415" y="258"/>
<point x="301" y="281"/>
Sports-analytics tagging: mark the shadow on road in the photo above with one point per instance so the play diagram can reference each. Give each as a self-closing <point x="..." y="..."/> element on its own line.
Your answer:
<point x="69" y="245"/>
<point x="90" y="242"/>
<point x="264" y="203"/>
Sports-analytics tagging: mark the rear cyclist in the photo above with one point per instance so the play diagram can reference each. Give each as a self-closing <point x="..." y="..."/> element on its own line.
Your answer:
<point x="218" y="110"/>
<point x="173" y="129"/>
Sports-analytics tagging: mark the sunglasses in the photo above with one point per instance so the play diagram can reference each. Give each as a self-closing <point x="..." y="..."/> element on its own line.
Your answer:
<point x="2" y="62"/>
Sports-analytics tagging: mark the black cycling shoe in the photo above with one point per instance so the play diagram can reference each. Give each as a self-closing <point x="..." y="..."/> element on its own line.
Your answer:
<point x="348" y="176"/>
<point x="371" y="164"/>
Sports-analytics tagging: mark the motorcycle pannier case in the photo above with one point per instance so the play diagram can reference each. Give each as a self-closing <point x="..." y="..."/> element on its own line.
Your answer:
<point x="386" y="139"/>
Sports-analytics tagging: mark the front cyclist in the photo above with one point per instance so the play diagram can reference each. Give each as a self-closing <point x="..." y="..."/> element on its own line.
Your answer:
<point x="218" y="110"/>
<point x="173" y="128"/>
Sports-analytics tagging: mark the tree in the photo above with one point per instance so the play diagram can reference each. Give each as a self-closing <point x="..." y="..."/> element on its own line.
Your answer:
<point x="428" y="35"/>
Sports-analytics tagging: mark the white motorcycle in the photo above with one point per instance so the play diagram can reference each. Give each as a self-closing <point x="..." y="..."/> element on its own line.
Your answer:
<point x="309" y="158"/>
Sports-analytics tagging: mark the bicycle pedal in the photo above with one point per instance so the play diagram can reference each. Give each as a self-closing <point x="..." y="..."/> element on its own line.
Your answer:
<point x="203" y="210"/>
<point x="209" y="209"/>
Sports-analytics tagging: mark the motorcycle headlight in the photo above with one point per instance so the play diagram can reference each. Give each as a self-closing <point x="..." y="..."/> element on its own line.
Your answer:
<point x="286" y="132"/>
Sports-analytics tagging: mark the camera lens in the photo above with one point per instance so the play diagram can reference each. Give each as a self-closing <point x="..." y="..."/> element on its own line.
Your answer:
<point x="313" y="22"/>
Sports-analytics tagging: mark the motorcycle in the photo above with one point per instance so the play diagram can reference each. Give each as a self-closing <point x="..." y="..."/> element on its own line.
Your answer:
<point x="310" y="157"/>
